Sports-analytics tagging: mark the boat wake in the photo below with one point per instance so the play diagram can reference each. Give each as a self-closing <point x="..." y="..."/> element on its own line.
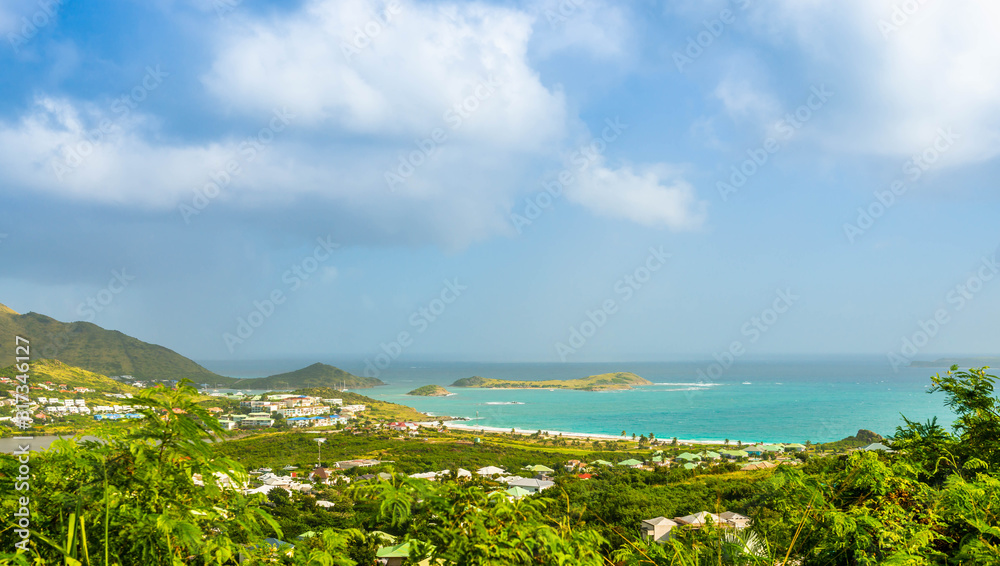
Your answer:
<point x="504" y="403"/>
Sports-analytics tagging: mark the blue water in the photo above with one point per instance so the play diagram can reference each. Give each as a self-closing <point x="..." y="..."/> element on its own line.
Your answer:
<point x="785" y="401"/>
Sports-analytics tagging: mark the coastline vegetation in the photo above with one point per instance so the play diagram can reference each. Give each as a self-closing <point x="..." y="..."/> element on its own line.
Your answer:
<point x="602" y="382"/>
<point x="157" y="493"/>
<point x="430" y="391"/>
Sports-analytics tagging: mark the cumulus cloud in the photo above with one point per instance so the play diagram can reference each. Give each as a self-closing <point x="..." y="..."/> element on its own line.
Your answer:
<point x="416" y="120"/>
<point x="907" y="69"/>
<point x="655" y="195"/>
<point x="398" y="69"/>
<point x="62" y="149"/>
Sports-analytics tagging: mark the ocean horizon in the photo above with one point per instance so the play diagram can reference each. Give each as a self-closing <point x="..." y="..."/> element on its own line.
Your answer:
<point x="790" y="400"/>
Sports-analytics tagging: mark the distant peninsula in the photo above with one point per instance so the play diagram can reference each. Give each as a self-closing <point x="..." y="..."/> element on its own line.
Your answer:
<point x="430" y="391"/>
<point x="602" y="382"/>
<point x="961" y="362"/>
<point x="316" y="375"/>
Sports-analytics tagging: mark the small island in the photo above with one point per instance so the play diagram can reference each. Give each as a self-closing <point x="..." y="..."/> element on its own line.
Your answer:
<point x="430" y="391"/>
<point x="602" y="382"/>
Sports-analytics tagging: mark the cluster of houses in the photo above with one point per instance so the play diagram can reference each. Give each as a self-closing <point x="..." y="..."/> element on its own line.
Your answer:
<point x="659" y="528"/>
<point x="49" y="386"/>
<point x="288" y="405"/>
<point x="298" y="411"/>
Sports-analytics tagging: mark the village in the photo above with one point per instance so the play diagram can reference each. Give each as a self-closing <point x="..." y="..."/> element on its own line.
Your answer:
<point x="526" y="481"/>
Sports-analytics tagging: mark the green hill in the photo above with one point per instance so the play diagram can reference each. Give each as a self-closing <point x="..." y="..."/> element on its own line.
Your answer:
<point x="602" y="382"/>
<point x="95" y="349"/>
<point x="316" y="375"/>
<point x="109" y="352"/>
<point x="430" y="391"/>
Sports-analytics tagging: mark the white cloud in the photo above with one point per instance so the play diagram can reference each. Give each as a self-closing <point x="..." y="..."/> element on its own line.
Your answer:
<point x="364" y="68"/>
<point x="363" y="107"/>
<point x="902" y="73"/>
<point x="57" y="148"/>
<point x="653" y="196"/>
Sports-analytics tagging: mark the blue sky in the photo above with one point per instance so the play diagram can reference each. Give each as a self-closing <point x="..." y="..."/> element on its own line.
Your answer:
<point x="489" y="178"/>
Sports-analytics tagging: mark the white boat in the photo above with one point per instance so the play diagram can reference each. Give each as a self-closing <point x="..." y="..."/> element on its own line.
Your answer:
<point x="747" y="383"/>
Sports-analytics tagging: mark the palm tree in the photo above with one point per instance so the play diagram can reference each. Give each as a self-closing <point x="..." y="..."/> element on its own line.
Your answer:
<point x="727" y="442"/>
<point x="623" y="433"/>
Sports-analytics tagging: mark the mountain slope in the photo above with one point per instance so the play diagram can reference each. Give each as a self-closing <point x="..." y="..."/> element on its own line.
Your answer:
<point x="109" y="352"/>
<point x="316" y="375"/>
<point x="93" y="348"/>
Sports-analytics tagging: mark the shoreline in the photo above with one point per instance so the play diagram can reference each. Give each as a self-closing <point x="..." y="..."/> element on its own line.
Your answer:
<point x="573" y="435"/>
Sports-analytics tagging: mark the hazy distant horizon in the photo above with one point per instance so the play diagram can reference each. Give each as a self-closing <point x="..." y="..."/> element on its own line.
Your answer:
<point x="272" y="366"/>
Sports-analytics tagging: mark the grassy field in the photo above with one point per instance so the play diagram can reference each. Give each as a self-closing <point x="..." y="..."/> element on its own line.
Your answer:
<point x="430" y="451"/>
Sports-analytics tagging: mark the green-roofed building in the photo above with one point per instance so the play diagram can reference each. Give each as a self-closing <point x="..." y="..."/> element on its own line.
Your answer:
<point x="395" y="555"/>
<point x="794" y="447"/>
<point x="689" y="457"/>
<point x="632" y="463"/>
<point x="690" y="466"/>
<point x="538" y="468"/>
<point x="657" y="459"/>
<point x="772" y="448"/>
<point x="602" y="463"/>
<point x="517" y="492"/>
<point x="709" y="455"/>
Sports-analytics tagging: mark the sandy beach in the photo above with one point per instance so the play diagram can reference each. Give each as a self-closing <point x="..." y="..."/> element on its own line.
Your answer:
<point x="574" y="435"/>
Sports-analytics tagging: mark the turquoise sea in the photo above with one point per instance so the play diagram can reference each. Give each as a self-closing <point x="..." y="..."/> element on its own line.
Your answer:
<point x="771" y="401"/>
